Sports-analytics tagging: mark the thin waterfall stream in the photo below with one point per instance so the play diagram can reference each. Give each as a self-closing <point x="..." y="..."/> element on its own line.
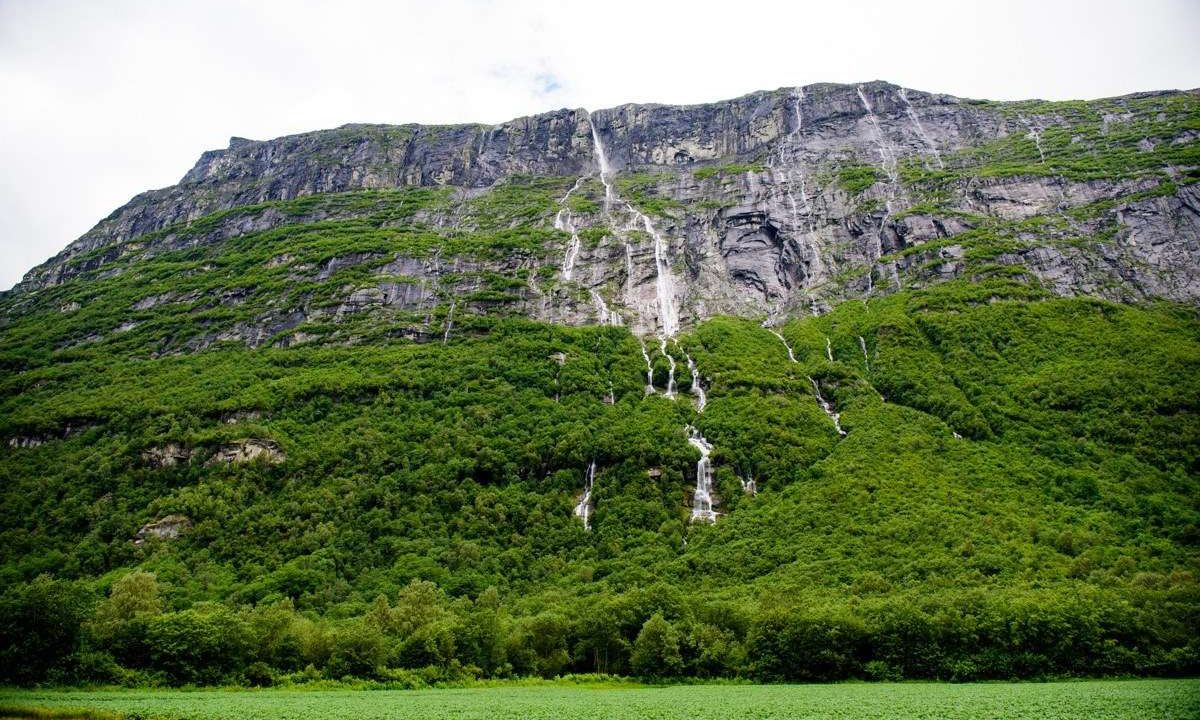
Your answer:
<point x="583" y="509"/>
<point x="821" y="401"/>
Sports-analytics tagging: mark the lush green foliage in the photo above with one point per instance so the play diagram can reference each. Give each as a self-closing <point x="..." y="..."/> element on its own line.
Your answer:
<point x="420" y="520"/>
<point x="1018" y="494"/>
<point x="1150" y="699"/>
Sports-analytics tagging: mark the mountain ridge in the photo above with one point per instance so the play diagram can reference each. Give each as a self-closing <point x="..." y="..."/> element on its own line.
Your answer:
<point x="677" y="142"/>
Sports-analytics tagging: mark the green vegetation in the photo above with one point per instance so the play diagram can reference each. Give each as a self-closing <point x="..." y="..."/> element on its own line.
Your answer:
<point x="856" y="178"/>
<point x="1017" y="495"/>
<point x="419" y="527"/>
<point x="734" y="168"/>
<point x="1149" y="699"/>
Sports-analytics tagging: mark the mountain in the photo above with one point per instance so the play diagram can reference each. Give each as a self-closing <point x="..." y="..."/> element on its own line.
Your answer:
<point x="825" y="382"/>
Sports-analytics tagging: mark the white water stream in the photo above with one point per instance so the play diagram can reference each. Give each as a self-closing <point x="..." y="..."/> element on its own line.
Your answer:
<point x="912" y="115"/>
<point x="670" y="369"/>
<point x="584" y="508"/>
<point x="863" y="344"/>
<point x="668" y="325"/>
<point x="887" y="163"/>
<point x="649" y="368"/>
<point x="449" y="323"/>
<point x="565" y="220"/>
<point x="825" y="406"/>
<point x="702" y="506"/>
<point x="664" y="281"/>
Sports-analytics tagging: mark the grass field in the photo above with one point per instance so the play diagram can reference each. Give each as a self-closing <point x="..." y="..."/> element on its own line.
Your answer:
<point x="1092" y="700"/>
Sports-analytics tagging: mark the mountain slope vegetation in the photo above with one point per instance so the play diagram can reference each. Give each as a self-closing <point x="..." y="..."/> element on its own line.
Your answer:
<point x="348" y="434"/>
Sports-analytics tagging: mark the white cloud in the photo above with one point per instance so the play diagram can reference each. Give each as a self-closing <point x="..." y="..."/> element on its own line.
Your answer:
<point x="104" y="100"/>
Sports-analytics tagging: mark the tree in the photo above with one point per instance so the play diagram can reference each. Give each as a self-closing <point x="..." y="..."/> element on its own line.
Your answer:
<point x="656" y="650"/>
<point x="119" y="624"/>
<point x="39" y="627"/>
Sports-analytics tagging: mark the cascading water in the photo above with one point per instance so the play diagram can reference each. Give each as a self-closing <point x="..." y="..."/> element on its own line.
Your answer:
<point x="866" y="361"/>
<point x="1035" y="135"/>
<point x="670" y="369"/>
<point x="912" y="115"/>
<point x="649" y="368"/>
<point x="887" y="162"/>
<point x="668" y="322"/>
<point x="603" y="313"/>
<point x="702" y="505"/>
<point x="697" y="386"/>
<point x="584" y="507"/>
<point x="449" y="324"/>
<point x="565" y="220"/>
<point x="825" y="406"/>
<point x="836" y="417"/>
<point x="664" y="282"/>
<point x="791" y="355"/>
<point x="828" y="350"/>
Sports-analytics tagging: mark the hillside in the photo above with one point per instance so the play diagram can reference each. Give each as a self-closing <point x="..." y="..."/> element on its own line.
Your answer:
<point x="817" y="383"/>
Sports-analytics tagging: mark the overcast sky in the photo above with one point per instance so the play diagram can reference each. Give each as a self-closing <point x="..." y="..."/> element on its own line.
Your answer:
<point x="101" y="100"/>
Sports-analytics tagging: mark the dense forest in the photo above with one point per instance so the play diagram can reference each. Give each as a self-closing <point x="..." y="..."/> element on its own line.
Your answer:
<point x="1015" y="495"/>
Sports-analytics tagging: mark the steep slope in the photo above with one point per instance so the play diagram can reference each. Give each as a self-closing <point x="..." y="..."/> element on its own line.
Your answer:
<point x="346" y="395"/>
<point x="774" y="202"/>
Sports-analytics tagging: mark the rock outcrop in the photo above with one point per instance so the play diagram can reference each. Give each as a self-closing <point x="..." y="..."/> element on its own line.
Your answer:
<point x="166" y="528"/>
<point x="773" y="203"/>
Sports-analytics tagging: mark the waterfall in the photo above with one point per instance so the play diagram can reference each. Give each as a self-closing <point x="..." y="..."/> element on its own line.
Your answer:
<point x="583" y="509"/>
<point x="828" y="349"/>
<point x="912" y="115"/>
<point x="670" y="369"/>
<point x="664" y="282"/>
<point x="602" y="161"/>
<point x="836" y="417"/>
<point x="887" y="158"/>
<point x="825" y="406"/>
<point x="791" y="142"/>
<point x="748" y="485"/>
<point x="702" y="505"/>
<point x="449" y="323"/>
<point x="887" y="162"/>
<point x="863" y="344"/>
<point x="697" y="387"/>
<point x="649" y="368"/>
<point x="791" y="355"/>
<point x="1035" y="135"/>
<point x="565" y="220"/>
<point x="603" y="313"/>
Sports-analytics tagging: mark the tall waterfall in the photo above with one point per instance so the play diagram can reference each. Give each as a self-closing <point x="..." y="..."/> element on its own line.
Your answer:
<point x="697" y="386"/>
<point x="866" y="361"/>
<point x="828" y="349"/>
<point x="449" y="324"/>
<point x="702" y="505"/>
<point x="887" y="162"/>
<point x="664" y="281"/>
<point x="912" y="115"/>
<point x="565" y="220"/>
<point x="583" y="509"/>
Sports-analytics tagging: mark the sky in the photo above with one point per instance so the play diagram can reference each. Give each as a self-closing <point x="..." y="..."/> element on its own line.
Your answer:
<point x="102" y="100"/>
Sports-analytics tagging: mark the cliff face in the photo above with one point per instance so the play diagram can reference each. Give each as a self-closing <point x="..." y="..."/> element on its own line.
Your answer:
<point x="775" y="203"/>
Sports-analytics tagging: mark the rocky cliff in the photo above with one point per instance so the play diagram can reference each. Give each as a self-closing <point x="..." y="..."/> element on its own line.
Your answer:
<point x="771" y="204"/>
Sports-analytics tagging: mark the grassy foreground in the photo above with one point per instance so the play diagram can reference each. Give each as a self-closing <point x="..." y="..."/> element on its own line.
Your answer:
<point x="1093" y="700"/>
